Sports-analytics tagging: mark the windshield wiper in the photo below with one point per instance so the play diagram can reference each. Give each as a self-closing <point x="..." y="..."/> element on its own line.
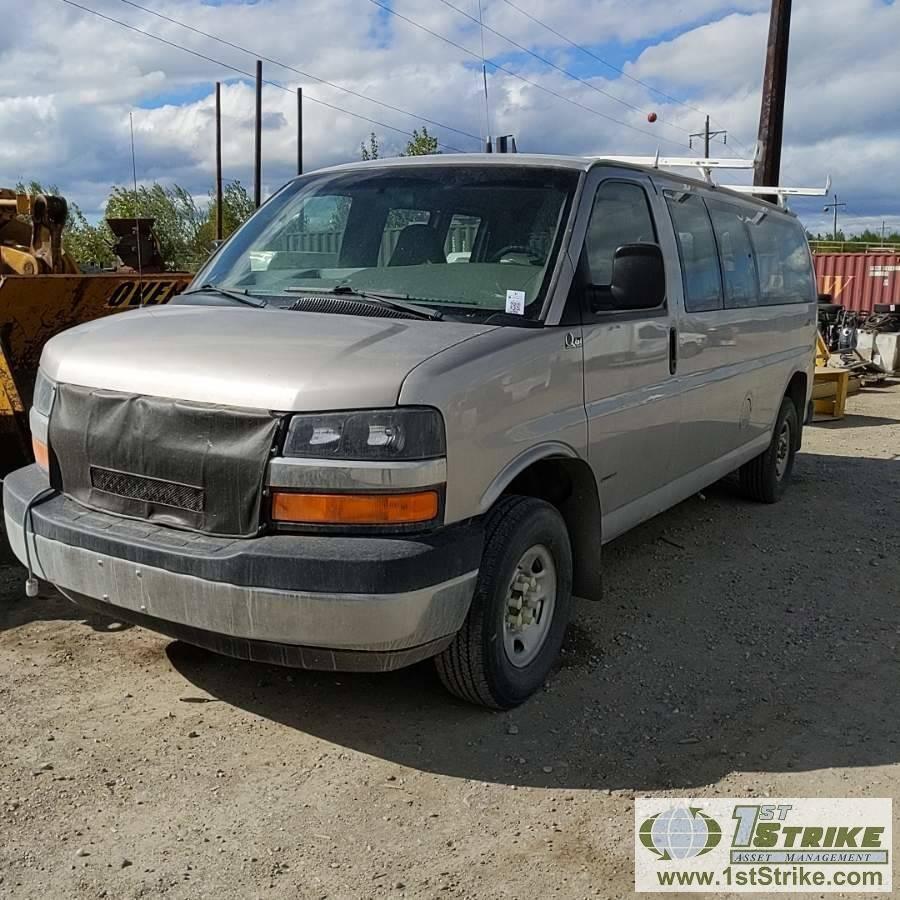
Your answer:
<point x="242" y="296"/>
<point x="399" y="302"/>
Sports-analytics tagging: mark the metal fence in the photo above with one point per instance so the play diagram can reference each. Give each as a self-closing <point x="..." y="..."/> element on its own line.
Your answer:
<point x="852" y="247"/>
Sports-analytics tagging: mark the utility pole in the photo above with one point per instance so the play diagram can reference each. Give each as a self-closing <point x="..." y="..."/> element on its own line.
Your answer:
<point x="219" y="219"/>
<point x="257" y="161"/>
<point x="299" y="131"/>
<point x="707" y="135"/>
<point x="771" y="116"/>
<point x="835" y="206"/>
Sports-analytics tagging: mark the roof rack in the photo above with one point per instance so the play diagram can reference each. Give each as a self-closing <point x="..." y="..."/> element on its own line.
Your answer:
<point x="782" y="193"/>
<point x="706" y="165"/>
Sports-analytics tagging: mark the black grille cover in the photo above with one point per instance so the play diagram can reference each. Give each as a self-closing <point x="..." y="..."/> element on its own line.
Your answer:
<point x="187" y="465"/>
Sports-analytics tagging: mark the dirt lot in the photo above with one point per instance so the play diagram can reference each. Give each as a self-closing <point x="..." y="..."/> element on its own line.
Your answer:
<point x="741" y="650"/>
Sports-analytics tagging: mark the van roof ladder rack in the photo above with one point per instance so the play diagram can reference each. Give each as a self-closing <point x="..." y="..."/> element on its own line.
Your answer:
<point x="782" y="193"/>
<point x="706" y="167"/>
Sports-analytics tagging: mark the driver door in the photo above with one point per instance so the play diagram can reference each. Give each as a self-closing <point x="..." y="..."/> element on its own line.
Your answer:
<point x="630" y="386"/>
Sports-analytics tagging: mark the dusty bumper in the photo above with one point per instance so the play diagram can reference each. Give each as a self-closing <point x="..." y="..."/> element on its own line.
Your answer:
<point x="316" y="602"/>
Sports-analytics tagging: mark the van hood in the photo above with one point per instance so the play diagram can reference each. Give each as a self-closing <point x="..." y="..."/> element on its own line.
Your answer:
<point x="254" y="358"/>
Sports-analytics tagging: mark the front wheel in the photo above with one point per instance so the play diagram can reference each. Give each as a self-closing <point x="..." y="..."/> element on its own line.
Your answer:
<point x="765" y="477"/>
<point x="523" y="599"/>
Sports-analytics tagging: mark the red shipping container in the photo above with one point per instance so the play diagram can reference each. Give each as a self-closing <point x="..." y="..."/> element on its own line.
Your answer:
<point x="859" y="280"/>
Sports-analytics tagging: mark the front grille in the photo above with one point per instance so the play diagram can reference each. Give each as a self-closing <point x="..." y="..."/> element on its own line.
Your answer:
<point x="149" y="490"/>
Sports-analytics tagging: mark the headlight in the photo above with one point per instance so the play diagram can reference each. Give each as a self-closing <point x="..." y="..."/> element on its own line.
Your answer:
<point x="368" y="435"/>
<point x="44" y="392"/>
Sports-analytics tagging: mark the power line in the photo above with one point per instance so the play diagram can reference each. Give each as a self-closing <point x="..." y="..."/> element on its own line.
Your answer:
<point x="309" y="75"/>
<point x="553" y="65"/>
<point x="244" y="73"/>
<point x="600" y="59"/>
<point x="517" y="76"/>
<point x="608" y="64"/>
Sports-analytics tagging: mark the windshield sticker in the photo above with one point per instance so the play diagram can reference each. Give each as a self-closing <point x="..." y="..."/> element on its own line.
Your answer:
<point x="515" y="303"/>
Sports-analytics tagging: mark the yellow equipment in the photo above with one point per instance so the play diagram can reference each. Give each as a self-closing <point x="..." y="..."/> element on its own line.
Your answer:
<point x="36" y="248"/>
<point x="831" y="384"/>
<point x="42" y="292"/>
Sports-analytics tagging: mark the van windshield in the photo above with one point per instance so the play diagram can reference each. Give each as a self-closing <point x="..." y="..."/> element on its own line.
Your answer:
<point x="471" y="241"/>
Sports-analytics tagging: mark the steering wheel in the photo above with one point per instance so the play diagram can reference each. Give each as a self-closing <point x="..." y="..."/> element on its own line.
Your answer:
<point x="511" y="248"/>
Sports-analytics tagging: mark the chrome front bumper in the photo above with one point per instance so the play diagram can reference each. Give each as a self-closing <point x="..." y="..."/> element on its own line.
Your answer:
<point x="319" y="602"/>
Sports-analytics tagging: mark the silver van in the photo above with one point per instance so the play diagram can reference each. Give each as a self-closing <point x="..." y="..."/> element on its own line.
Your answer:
<point x="401" y="409"/>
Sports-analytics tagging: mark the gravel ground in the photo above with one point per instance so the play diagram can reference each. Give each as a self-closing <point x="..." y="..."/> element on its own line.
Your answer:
<point x="741" y="650"/>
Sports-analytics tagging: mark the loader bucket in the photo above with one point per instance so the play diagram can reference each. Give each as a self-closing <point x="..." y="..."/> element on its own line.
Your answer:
<point x="34" y="308"/>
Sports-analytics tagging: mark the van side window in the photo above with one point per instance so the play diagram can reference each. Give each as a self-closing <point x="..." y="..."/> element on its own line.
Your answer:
<point x="460" y="239"/>
<point x="621" y="215"/>
<point x="311" y="239"/>
<point x="697" y="249"/>
<point x="735" y="255"/>
<point x="782" y="257"/>
<point x="396" y="223"/>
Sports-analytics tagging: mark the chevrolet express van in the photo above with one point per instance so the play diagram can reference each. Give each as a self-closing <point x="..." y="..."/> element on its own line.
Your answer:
<point x="398" y="413"/>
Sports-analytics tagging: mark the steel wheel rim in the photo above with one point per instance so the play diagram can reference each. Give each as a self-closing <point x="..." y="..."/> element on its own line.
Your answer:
<point x="782" y="450"/>
<point x="529" y="606"/>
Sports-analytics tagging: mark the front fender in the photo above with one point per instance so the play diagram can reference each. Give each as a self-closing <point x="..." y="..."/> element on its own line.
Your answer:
<point x="547" y="450"/>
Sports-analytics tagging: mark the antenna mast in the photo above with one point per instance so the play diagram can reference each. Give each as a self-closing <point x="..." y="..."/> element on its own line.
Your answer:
<point x="137" y="223"/>
<point x="487" y="110"/>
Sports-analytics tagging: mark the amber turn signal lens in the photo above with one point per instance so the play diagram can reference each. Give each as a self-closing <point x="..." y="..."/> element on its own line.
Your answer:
<point x="355" y="509"/>
<point x="41" y="454"/>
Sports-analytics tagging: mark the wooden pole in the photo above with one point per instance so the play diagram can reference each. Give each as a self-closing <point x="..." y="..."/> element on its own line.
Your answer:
<point x="257" y="163"/>
<point x="299" y="131"/>
<point x="771" y="117"/>
<point x="219" y="219"/>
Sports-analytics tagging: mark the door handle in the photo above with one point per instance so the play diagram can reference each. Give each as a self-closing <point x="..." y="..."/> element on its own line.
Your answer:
<point x="673" y="351"/>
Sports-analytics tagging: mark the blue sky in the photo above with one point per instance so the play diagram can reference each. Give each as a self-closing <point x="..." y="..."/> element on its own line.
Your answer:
<point x="71" y="125"/>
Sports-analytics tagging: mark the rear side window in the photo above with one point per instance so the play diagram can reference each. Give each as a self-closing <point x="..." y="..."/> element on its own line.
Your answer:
<point x="697" y="249"/>
<point x="621" y="215"/>
<point x="396" y="221"/>
<point x="309" y="239"/>
<point x="782" y="257"/>
<point x="460" y="239"/>
<point x="735" y="255"/>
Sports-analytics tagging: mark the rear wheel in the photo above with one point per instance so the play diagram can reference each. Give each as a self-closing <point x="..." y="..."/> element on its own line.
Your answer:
<point x="765" y="478"/>
<point x="515" y="627"/>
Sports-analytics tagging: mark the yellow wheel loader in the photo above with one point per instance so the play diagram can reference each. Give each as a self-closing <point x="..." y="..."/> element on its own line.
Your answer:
<point x="43" y="292"/>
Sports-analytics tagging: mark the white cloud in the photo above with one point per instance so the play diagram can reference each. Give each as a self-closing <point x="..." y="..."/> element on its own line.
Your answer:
<point x="69" y="80"/>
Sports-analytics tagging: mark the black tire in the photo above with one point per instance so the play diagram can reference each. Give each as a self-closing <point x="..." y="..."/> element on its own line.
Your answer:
<point x="766" y="477"/>
<point x="476" y="667"/>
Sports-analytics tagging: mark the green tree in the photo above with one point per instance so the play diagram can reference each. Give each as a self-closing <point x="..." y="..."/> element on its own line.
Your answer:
<point x="864" y="237"/>
<point x="177" y="219"/>
<point x="237" y="207"/>
<point x="185" y="230"/>
<point x="420" y="144"/>
<point x="89" y="245"/>
<point x="874" y="237"/>
<point x="372" y="151"/>
<point x="423" y="144"/>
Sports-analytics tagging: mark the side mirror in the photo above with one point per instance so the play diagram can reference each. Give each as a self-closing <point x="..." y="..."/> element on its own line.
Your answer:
<point x="638" y="277"/>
